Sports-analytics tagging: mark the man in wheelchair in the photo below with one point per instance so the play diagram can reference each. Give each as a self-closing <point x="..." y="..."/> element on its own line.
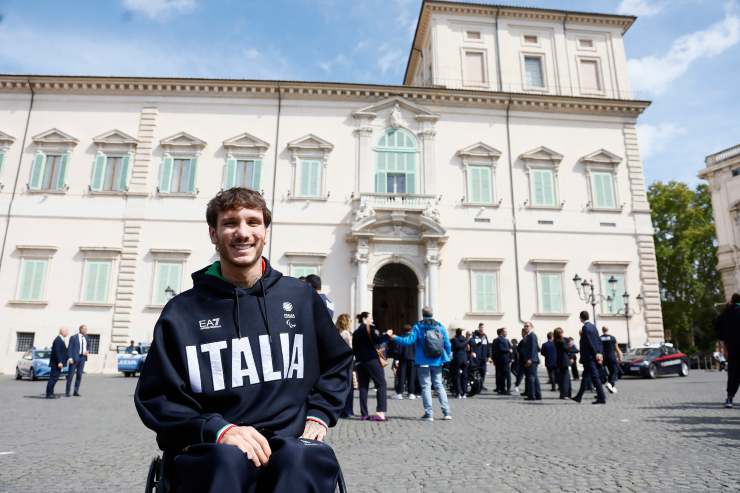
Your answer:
<point x="246" y="371"/>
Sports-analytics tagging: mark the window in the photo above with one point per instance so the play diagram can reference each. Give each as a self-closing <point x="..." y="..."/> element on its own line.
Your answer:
<point x="96" y="281"/>
<point x="475" y="68"/>
<point x="396" y="156"/>
<point x="543" y="188"/>
<point x="472" y="35"/>
<point x="177" y="175"/>
<point x="530" y="39"/>
<point x="585" y="43"/>
<point x="736" y="172"/>
<point x="297" y="270"/>
<point x="480" y="184"/>
<point x="243" y="173"/>
<point x="167" y="279"/>
<point x="602" y="185"/>
<point x="309" y="178"/>
<point x="614" y="291"/>
<point x="550" y="292"/>
<point x="93" y="343"/>
<point x="49" y="171"/>
<point x="110" y="173"/>
<point x="32" y="280"/>
<point x="533" y="74"/>
<point x="485" y="291"/>
<point x="24" y="341"/>
<point x="590" y="76"/>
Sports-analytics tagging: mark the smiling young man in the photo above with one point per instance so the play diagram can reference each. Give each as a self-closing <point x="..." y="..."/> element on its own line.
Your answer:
<point x="246" y="370"/>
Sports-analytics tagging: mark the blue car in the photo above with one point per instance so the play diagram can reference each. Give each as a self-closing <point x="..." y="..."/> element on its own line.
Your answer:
<point x="34" y="364"/>
<point x="130" y="361"/>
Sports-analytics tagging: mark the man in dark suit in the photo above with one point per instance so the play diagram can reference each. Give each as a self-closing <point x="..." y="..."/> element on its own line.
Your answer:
<point x="592" y="355"/>
<point x="531" y="357"/>
<point x="551" y="364"/>
<point x="502" y="359"/>
<point x="77" y="354"/>
<point x="56" y="361"/>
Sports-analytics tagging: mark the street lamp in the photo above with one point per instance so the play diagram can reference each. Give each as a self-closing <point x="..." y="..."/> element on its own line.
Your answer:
<point x="587" y="292"/>
<point x="170" y="292"/>
<point x="628" y="313"/>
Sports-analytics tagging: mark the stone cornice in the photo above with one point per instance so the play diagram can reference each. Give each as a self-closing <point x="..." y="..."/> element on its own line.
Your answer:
<point x="128" y="86"/>
<point x="490" y="11"/>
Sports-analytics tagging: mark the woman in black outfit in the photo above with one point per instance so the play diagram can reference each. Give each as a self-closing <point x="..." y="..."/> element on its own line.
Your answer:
<point x="406" y="376"/>
<point x="459" y="364"/>
<point x="563" y="363"/>
<point x="364" y="341"/>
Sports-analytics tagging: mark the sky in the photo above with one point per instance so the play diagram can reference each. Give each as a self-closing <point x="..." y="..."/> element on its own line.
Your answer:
<point x="683" y="55"/>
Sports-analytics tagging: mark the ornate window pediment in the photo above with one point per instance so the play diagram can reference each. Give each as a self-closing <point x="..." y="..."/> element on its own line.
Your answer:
<point x="601" y="157"/>
<point x="542" y="155"/>
<point x="479" y="164"/>
<point x="5" y="139"/>
<point x="55" y="137"/>
<point x="182" y="140"/>
<point x="246" y="143"/>
<point x="115" y="138"/>
<point x="479" y="151"/>
<point x="310" y="158"/>
<point x="420" y="114"/>
<point x="310" y="142"/>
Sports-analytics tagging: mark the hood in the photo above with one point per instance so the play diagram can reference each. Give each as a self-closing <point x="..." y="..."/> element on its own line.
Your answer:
<point x="212" y="281"/>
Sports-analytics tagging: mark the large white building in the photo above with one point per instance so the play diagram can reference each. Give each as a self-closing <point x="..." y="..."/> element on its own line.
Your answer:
<point x="722" y="173"/>
<point x="505" y="164"/>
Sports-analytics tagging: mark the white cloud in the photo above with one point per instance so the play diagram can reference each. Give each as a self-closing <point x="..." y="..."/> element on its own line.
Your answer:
<point x="390" y="58"/>
<point x="655" y="138"/>
<point x="158" y="9"/>
<point x="338" y="61"/>
<point x="643" y="8"/>
<point x="653" y="74"/>
<point x="27" y="50"/>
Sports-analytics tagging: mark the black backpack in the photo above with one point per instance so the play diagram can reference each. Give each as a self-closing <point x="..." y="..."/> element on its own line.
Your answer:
<point x="434" y="342"/>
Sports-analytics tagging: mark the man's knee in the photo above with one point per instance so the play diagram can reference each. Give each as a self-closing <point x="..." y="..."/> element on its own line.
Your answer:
<point x="299" y="452"/>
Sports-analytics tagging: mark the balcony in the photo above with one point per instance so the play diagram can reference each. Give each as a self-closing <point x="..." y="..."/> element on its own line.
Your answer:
<point x="395" y="201"/>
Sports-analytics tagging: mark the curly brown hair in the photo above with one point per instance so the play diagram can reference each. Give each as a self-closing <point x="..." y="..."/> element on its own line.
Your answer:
<point x="343" y="322"/>
<point x="237" y="198"/>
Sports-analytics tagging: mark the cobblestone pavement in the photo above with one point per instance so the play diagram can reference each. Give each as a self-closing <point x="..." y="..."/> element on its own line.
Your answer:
<point x="671" y="430"/>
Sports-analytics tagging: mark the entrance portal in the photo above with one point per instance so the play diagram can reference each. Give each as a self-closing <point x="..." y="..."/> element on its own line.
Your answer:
<point x="395" y="297"/>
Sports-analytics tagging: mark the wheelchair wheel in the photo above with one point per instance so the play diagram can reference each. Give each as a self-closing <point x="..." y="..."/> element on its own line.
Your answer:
<point x="341" y="486"/>
<point x="154" y="477"/>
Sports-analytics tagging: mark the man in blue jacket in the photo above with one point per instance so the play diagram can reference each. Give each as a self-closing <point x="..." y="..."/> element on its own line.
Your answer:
<point x="246" y="371"/>
<point x="531" y="361"/>
<point x="592" y="355"/>
<point x="56" y="361"/>
<point x="551" y="361"/>
<point x="502" y="359"/>
<point x="77" y="352"/>
<point x="433" y="349"/>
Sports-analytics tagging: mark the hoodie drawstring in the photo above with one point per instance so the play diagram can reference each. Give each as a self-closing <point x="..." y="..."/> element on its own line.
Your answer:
<point x="238" y="324"/>
<point x="263" y="309"/>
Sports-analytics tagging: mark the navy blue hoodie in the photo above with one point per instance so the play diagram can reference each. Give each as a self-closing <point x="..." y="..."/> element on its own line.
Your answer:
<point x="266" y="356"/>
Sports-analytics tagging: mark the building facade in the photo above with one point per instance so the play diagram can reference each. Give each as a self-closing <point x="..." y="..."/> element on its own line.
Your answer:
<point x="505" y="165"/>
<point x="721" y="172"/>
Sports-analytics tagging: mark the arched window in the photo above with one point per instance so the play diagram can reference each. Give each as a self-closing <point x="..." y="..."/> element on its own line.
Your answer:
<point x="395" y="164"/>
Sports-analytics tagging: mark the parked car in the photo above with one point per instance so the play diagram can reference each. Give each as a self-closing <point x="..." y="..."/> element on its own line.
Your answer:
<point x="653" y="360"/>
<point x="34" y="364"/>
<point x="130" y="361"/>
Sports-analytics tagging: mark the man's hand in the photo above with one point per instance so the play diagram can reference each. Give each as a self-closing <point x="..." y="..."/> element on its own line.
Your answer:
<point x="60" y="365"/>
<point x="390" y="333"/>
<point x="314" y="430"/>
<point x="251" y="442"/>
<point x="528" y="363"/>
<point x="70" y="361"/>
<point x="599" y="358"/>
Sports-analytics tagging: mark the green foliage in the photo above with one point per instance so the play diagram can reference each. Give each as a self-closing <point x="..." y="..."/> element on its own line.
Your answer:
<point x="686" y="251"/>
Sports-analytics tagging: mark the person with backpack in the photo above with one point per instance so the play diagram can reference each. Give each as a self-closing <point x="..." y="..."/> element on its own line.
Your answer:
<point x="433" y="349"/>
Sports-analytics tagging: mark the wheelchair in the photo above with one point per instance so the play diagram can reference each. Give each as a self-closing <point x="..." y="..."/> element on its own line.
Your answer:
<point x="157" y="480"/>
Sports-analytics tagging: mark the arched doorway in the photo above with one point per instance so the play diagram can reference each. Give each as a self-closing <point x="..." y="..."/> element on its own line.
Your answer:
<point x="395" y="297"/>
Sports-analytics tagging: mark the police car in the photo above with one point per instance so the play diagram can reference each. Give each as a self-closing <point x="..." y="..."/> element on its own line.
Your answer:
<point x="131" y="362"/>
<point x="653" y="360"/>
<point x="34" y="364"/>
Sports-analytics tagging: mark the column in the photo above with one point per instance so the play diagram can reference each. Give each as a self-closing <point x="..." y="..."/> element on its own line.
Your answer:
<point x="428" y="170"/>
<point x="361" y="259"/>
<point x="432" y="261"/>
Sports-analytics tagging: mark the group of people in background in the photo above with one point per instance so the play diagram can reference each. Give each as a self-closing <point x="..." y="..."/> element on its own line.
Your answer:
<point x="73" y="355"/>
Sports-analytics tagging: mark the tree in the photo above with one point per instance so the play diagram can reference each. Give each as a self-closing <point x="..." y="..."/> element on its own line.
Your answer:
<point x="686" y="251"/>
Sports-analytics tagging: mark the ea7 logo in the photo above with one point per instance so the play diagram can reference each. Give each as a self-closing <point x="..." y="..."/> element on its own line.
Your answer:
<point x="212" y="323"/>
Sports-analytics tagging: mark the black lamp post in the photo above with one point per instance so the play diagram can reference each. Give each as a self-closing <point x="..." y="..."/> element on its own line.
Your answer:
<point x="628" y="313"/>
<point x="587" y="292"/>
<point x="170" y="292"/>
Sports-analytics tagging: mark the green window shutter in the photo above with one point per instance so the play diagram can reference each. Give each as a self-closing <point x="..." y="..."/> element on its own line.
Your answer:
<point x="479" y="184"/>
<point x="543" y="187"/>
<point x="122" y="178"/>
<point x="103" y="281"/>
<point x="485" y="296"/>
<point x="538" y="189"/>
<point x="410" y="172"/>
<point x="2" y="161"/>
<point x="192" y="166"/>
<point x="603" y="184"/>
<point x="315" y="178"/>
<point x="618" y="290"/>
<point x="230" y="173"/>
<point x="175" y="276"/>
<point x="473" y="184"/>
<point x="169" y="274"/>
<point x="33" y="273"/>
<point x="165" y="175"/>
<point x="257" y="175"/>
<point x="549" y="187"/>
<point x="91" y="278"/>
<point x="62" y="172"/>
<point x="97" y="275"/>
<point x="37" y="171"/>
<point x="380" y="172"/>
<point x="550" y="293"/>
<point x="26" y="281"/>
<point x="98" y="172"/>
